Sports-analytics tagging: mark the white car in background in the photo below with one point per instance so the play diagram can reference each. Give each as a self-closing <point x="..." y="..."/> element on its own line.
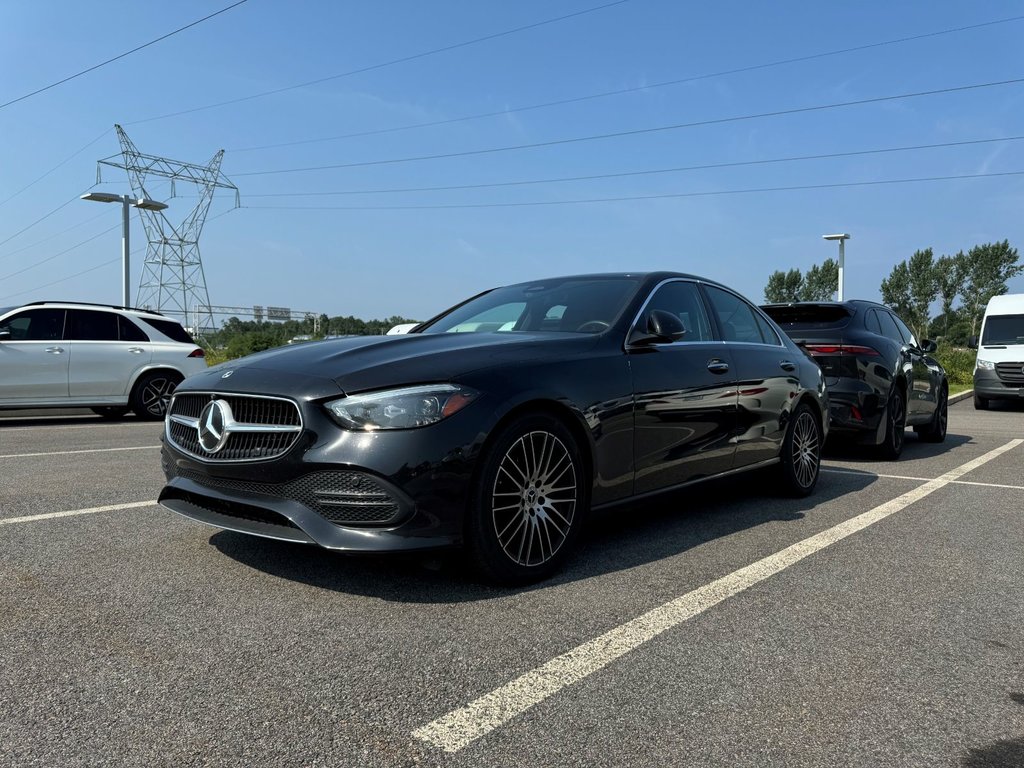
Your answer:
<point x="110" y="359"/>
<point x="401" y="329"/>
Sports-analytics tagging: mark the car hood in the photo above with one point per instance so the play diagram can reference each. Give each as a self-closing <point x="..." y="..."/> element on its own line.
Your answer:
<point x="375" y="362"/>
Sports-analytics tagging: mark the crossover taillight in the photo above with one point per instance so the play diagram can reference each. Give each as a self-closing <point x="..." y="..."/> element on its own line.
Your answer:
<point x="818" y="350"/>
<point x="197" y="352"/>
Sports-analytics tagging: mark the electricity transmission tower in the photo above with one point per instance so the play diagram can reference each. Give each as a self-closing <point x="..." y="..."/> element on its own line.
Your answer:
<point x="172" y="278"/>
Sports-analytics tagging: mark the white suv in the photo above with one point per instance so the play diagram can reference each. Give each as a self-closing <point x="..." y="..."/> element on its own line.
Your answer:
<point x="110" y="359"/>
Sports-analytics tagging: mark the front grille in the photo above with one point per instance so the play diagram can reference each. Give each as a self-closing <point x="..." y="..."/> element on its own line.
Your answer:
<point x="342" y="497"/>
<point x="1011" y="373"/>
<point x="247" y="410"/>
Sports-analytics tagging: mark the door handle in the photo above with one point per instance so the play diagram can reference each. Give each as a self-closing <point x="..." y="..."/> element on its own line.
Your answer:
<point x="55" y="350"/>
<point x="135" y="350"/>
<point x="787" y="365"/>
<point x="718" y="366"/>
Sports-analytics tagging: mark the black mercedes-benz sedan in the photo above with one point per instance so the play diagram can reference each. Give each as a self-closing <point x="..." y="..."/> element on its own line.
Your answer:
<point x="499" y="424"/>
<point x="880" y="378"/>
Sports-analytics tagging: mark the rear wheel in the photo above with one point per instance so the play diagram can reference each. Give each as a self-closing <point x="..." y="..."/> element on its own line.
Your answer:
<point x="529" y="502"/>
<point x="935" y="431"/>
<point x="801" y="452"/>
<point x="895" y="426"/>
<point x="980" y="403"/>
<point x="152" y="393"/>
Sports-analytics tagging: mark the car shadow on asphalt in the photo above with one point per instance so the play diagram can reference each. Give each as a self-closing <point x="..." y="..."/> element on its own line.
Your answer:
<point x="913" y="448"/>
<point x="1006" y="753"/>
<point x="615" y="539"/>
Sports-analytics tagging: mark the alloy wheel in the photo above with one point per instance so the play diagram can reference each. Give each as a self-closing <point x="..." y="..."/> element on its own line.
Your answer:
<point x="806" y="449"/>
<point x="898" y="422"/>
<point x="534" y="498"/>
<point x="156" y="395"/>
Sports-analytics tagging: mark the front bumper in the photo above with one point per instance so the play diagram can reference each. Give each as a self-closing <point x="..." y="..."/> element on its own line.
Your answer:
<point x="987" y="384"/>
<point x="385" y="491"/>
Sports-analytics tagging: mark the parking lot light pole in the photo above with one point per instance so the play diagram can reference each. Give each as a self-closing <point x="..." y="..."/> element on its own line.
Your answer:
<point x="126" y="200"/>
<point x="842" y="238"/>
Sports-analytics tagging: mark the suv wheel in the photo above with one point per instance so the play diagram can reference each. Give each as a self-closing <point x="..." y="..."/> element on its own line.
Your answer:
<point x="152" y="393"/>
<point x="895" y="426"/>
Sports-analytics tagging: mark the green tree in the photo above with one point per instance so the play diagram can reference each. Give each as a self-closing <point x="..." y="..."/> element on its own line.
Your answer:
<point x="950" y="273"/>
<point x="988" y="267"/>
<point x="783" y="287"/>
<point x="896" y="292"/>
<point x="924" y="289"/>
<point x="821" y="282"/>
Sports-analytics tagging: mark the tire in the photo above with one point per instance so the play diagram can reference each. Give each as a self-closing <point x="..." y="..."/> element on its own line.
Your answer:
<point x="529" y="502"/>
<point x="800" y="458"/>
<point x="980" y="403"/>
<point x="935" y="430"/>
<point x="895" y="426"/>
<point x="110" y="411"/>
<point x="152" y="393"/>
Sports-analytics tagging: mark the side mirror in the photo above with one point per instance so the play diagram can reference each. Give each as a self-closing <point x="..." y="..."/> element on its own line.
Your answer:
<point x="665" y="325"/>
<point x="929" y="346"/>
<point x="662" y="327"/>
<point x="972" y="342"/>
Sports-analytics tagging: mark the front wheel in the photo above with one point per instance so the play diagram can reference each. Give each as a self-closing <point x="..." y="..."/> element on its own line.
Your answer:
<point x="530" y="501"/>
<point x="801" y="453"/>
<point x="152" y="394"/>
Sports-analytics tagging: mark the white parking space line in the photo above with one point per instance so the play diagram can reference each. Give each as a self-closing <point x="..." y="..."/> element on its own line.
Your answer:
<point x="74" y="512"/>
<point x="918" y="479"/>
<point x="68" y="453"/>
<point x="459" y="728"/>
<point x="98" y="424"/>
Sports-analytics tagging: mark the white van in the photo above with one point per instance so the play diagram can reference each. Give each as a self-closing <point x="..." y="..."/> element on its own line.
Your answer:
<point x="999" y="369"/>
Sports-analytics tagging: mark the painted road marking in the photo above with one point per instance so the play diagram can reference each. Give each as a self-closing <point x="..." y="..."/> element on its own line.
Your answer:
<point x="73" y="512"/>
<point x="68" y="453"/>
<point x="459" y="728"/>
<point x="918" y="479"/>
<point x="102" y="424"/>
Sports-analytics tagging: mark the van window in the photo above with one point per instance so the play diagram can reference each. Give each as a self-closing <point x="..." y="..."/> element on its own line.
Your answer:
<point x="1003" y="329"/>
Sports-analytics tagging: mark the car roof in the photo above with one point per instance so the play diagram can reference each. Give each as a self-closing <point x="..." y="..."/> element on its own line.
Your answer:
<point x="73" y="304"/>
<point x="844" y="303"/>
<point x="654" y="277"/>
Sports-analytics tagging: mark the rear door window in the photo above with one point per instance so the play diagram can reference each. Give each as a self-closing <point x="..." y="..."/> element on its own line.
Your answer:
<point x="89" y="325"/>
<point x="735" y="317"/>
<point x="906" y="333"/>
<point x="169" y="328"/>
<point x="871" y="322"/>
<point x="889" y="327"/>
<point x="129" y="331"/>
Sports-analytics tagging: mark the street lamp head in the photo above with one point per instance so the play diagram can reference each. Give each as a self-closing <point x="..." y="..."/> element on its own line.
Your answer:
<point x="149" y="205"/>
<point x="102" y="197"/>
<point x="840" y="236"/>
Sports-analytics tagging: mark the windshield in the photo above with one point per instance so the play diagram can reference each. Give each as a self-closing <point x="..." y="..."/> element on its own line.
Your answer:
<point x="574" y="305"/>
<point x="1003" y="329"/>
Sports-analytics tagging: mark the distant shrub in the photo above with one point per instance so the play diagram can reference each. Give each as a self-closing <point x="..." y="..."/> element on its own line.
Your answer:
<point x="958" y="362"/>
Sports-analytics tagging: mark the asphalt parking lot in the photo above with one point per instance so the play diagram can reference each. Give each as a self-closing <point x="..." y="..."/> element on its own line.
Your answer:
<point x="878" y="622"/>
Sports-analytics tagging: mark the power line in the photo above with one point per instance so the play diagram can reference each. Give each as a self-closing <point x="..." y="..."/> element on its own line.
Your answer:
<point x="66" y="250"/>
<point x="42" y="218"/>
<point x="650" y="172"/>
<point x="623" y="91"/>
<point x="626" y="198"/>
<point x="55" y="234"/>
<point x="57" y="166"/>
<point x="636" y="131"/>
<point x="381" y="65"/>
<point x="65" y="280"/>
<point x="120" y="56"/>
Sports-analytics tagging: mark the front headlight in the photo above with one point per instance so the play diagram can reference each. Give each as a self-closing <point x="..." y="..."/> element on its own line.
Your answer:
<point x="986" y="365"/>
<point x="401" y="408"/>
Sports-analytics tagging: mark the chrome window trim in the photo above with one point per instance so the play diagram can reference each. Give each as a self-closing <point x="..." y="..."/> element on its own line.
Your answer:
<point x="650" y="295"/>
<point x="238" y="427"/>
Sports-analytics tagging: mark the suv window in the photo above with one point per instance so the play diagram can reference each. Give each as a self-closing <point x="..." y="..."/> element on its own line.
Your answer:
<point x="735" y="317"/>
<point x="36" y="325"/>
<point x="129" y="331"/>
<point x="89" y="325"/>
<point x="889" y="327"/>
<point x="908" y="335"/>
<point x="170" y="329"/>
<point x="683" y="300"/>
<point x="871" y="322"/>
<point x="807" y="316"/>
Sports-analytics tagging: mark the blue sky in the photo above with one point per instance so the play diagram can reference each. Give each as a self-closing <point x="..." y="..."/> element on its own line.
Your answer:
<point x="413" y="261"/>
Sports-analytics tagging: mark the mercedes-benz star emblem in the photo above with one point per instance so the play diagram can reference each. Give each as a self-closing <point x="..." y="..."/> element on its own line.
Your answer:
<point x="212" y="426"/>
<point x="226" y="374"/>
